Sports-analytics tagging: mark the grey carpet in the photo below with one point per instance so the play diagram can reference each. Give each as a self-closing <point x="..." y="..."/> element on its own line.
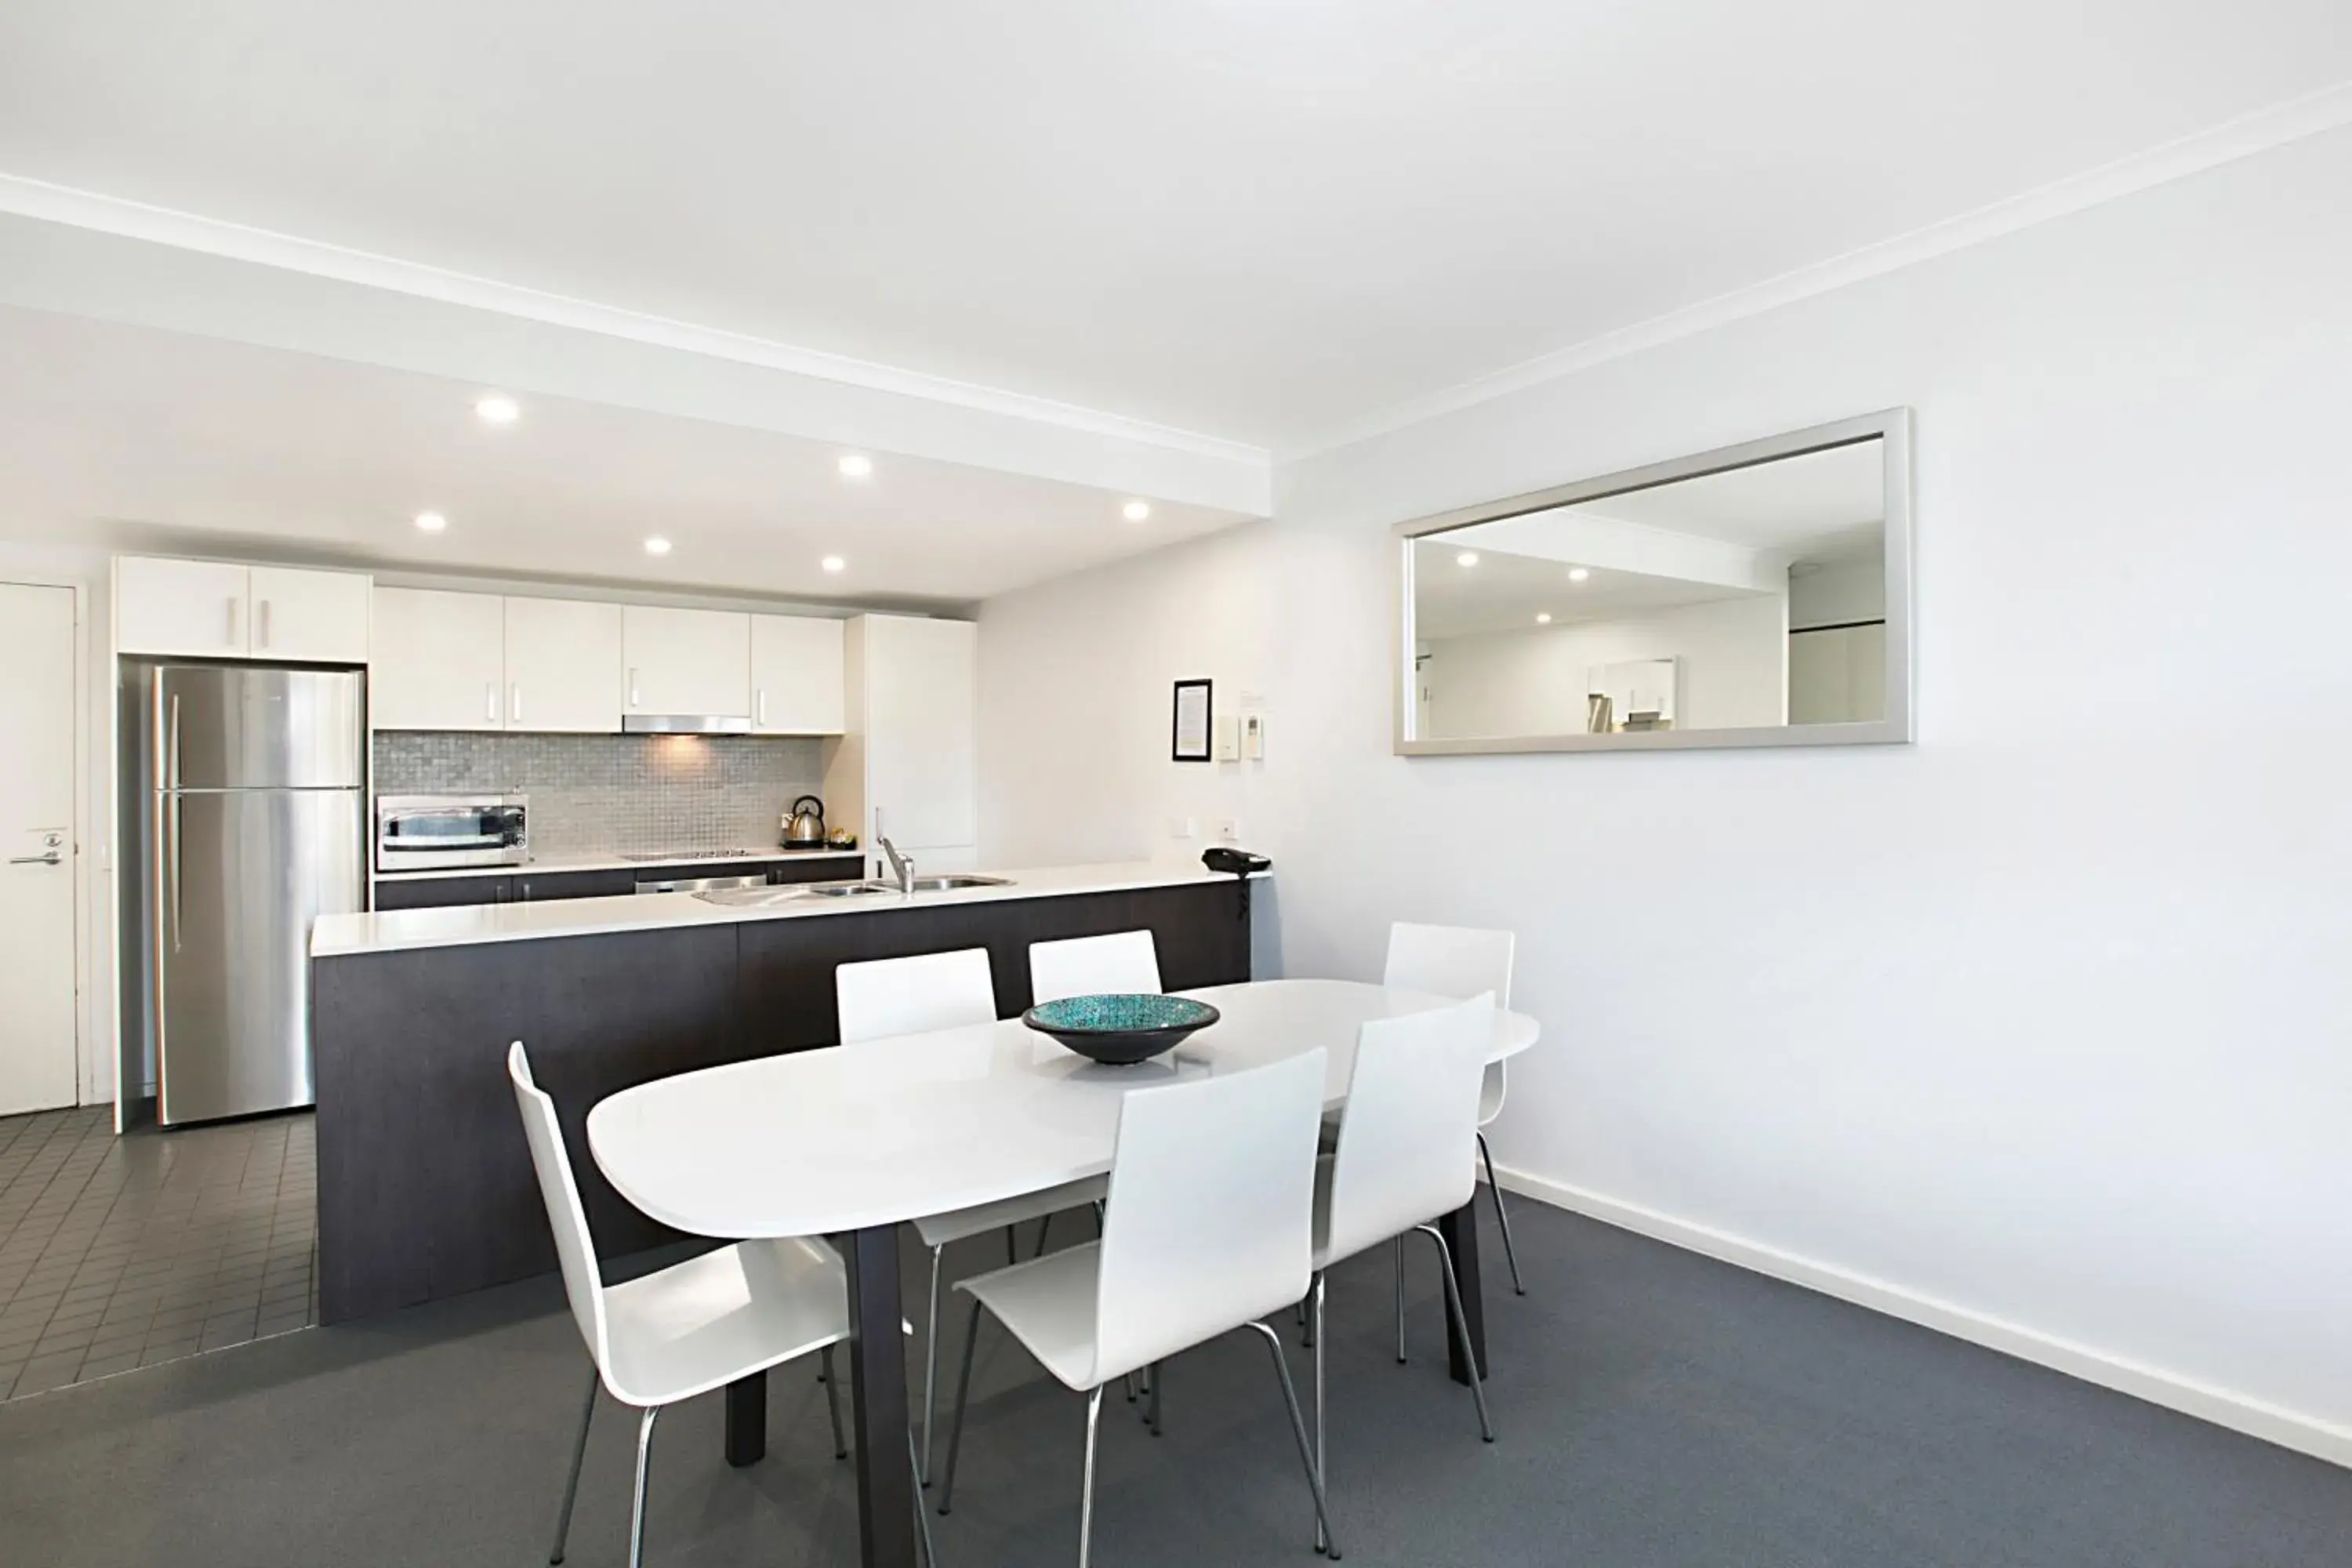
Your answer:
<point x="1655" y="1408"/>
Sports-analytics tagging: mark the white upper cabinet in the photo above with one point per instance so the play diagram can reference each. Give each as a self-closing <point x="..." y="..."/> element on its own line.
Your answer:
<point x="564" y="666"/>
<point x="686" y="662"/>
<point x="920" y="697"/>
<point x="321" y="616"/>
<point x="797" y="677"/>
<point x="439" y="660"/>
<point x="209" y="609"/>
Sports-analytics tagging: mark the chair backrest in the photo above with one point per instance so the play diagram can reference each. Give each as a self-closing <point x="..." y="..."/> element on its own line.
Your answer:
<point x="583" y="1282"/>
<point x="1449" y="960"/>
<point x="911" y="995"/>
<point x="1407" y="1146"/>
<point x="1210" y="1221"/>
<point x="1123" y="962"/>
<point x="1457" y="961"/>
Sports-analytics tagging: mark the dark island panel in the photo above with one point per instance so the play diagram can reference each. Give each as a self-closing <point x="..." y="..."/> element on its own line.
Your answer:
<point x="425" y="1188"/>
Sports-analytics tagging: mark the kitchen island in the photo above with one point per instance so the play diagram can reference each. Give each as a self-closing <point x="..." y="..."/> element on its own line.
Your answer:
<point x="425" y="1188"/>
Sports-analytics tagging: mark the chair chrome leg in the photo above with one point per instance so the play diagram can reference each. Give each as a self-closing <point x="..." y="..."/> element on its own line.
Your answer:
<point x="1330" y="1543"/>
<point x="637" y="1506"/>
<point x="1043" y="1227"/>
<point x="1396" y="1250"/>
<point x="1461" y="1324"/>
<point x="571" y="1486"/>
<point x="922" y="1519"/>
<point x="963" y="1392"/>
<point x="930" y="1374"/>
<point x="1501" y="1216"/>
<point x="1156" y="1374"/>
<point x="1322" y="1449"/>
<point x="833" y="1406"/>
<point x="1012" y="1246"/>
<point x="1086" y="1486"/>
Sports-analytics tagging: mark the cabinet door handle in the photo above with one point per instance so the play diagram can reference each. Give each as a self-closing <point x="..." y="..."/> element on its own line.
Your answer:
<point x="514" y="705"/>
<point x="261" y="623"/>
<point x="633" y="688"/>
<point x="233" y="638"/>
<point x="761" y="700"/>
<point x="490" y="700"/>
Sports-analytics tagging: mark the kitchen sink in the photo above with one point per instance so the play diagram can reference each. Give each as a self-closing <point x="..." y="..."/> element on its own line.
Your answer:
<point x="843" y="889"/>
<point x="947" y="884"/>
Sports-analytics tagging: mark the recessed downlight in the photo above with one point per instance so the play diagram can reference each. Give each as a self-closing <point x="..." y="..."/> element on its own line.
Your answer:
<point x="497" y="410"/>
<point x="1467" y="558"/>
<point x="1543" y="618"/>
<point x="855" y="465"/>
<point x="656" y="545"/>
<point x="1135" y="511"/>
<point x="834" y="563"/>
<point x="1577" y="573"/>
<point x="431" y="522"/>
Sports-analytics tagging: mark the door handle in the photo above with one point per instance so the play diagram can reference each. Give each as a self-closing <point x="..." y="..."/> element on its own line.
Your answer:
<point x="514" y="705"/>
<point x="261" y="623"/>
<point x="491" y="701"/>
<point x="52" y="858"/>
<point x="633" y="688"/>
<point x="762" y="701"/>
<point x="233" y="638"/>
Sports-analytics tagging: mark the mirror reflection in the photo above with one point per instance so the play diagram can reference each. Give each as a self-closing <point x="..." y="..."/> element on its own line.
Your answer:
<point x="1749" y="598"/>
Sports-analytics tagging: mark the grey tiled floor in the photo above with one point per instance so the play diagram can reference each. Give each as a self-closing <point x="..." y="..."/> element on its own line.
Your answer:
<point x="123" y="1252"/>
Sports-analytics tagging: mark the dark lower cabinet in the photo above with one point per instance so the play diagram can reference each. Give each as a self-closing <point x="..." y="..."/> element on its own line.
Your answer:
<point x="441" y="893"/>
<point x="412" y="892"/>
<point x="533" y="885"/>
<point x="425" y="1188"/>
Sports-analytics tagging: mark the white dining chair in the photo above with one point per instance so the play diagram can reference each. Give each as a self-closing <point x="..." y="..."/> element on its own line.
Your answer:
<point x="1122" y="962"/>
<point x="1207" y="1229"/>
<point x="914" y="996"/>
<point x="685" y="1329"/>
<point x="1460" y="962"/>
<point x="1402" y="1159"/>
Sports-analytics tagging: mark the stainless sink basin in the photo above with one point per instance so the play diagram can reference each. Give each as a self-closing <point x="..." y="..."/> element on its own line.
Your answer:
<point x="947" y="884"/>
<point x="843" y="889"/>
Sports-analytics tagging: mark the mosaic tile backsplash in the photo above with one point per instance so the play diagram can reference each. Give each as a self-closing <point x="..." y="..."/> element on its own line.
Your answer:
<point x="619" y="793"/>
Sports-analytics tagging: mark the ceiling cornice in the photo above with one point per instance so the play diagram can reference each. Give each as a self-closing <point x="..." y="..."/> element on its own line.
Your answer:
<point x="2311" y="115"/>
<point x="39" y="199"/>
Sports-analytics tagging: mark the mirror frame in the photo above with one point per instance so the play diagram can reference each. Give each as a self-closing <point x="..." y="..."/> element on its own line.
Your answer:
<point x="1891" y="427"/>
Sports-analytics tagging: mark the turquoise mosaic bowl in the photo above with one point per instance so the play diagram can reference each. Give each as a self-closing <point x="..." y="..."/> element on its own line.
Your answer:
<point x="1120" y="1029"/>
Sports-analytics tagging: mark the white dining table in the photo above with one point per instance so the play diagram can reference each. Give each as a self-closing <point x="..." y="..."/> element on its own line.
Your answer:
<point x="851" y="1142"/>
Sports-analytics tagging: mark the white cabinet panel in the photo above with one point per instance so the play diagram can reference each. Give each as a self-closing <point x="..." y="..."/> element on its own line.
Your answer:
<point x="686" y="661"/>
<point x="564" y="666"/>
<point x="195" y="609"/>
<point x="321" y="616"/>
<point x="920" y="697"/>
<point x="439" y="660"/>
<point x="796" y="676"/>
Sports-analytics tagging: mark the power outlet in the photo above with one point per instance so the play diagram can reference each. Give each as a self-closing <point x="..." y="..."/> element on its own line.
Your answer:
<point x="1226" y="830"/>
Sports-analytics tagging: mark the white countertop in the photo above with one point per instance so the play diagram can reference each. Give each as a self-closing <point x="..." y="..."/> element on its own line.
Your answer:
<point x="389" y="930"/>
<point x="871" y="1134"/>
<point x="606" y="860"/>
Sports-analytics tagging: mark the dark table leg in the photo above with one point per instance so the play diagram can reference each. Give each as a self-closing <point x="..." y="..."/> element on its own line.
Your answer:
<point x="1460" y="1229"/>
<point x="877" y="1391"/>
<point x="747" y="1420"/>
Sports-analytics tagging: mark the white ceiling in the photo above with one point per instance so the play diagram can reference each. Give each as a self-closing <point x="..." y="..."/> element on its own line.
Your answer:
<point x="131" y="437"/>
<point x="1259" y="221"/>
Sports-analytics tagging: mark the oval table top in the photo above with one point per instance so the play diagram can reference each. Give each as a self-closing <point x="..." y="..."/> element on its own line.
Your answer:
<point x="849" y="1137"/>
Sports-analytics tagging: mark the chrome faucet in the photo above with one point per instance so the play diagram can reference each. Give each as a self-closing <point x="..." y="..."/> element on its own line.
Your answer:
<point x="901" y="866"/>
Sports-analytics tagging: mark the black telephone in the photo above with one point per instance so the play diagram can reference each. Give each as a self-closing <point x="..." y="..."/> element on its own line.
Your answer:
<point x="1233" y="862"/>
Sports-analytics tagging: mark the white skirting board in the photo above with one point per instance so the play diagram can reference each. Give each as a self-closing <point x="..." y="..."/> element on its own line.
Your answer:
<point x="2288" y="1429"/>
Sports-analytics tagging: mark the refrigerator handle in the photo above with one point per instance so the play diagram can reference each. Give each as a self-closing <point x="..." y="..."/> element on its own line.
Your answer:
<point x="172" y="862"/>
<point x="172" y="748"/>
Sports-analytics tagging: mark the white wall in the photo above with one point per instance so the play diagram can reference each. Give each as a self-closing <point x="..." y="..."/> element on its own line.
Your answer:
<point x="1839" y="593"/>
<point x="1732" y="654"/>
<point x="2041" y="1028"/>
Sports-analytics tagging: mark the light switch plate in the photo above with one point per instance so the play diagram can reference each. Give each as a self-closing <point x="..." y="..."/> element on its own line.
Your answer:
<point x="1183" y="827"/>
<point x="1229" y="739"/>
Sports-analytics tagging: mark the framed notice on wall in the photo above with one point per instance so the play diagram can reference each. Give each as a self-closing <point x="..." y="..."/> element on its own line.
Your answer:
<point x="1189" y="741"/>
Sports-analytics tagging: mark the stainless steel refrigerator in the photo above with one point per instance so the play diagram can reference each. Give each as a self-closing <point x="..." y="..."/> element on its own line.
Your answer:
<point x="244" y="806"/>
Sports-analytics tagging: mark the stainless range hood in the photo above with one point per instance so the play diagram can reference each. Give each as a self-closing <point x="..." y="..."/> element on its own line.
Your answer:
<point x="685" y="724"/>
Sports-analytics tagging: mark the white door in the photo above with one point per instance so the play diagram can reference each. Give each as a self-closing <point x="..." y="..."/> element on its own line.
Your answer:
<point x="319" y="616"/>
<point x="37" y="884"/>
<point x="184" y="608"/>
<point x="686" y="661"/>
<point x="796" y="676"/>
<point x="921" y="730"/>
<point x="563" y="667"/>
<point x="439" y="660"/>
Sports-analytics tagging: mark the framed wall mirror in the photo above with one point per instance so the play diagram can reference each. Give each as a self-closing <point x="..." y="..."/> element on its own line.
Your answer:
<point x="1756" y="595"/>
